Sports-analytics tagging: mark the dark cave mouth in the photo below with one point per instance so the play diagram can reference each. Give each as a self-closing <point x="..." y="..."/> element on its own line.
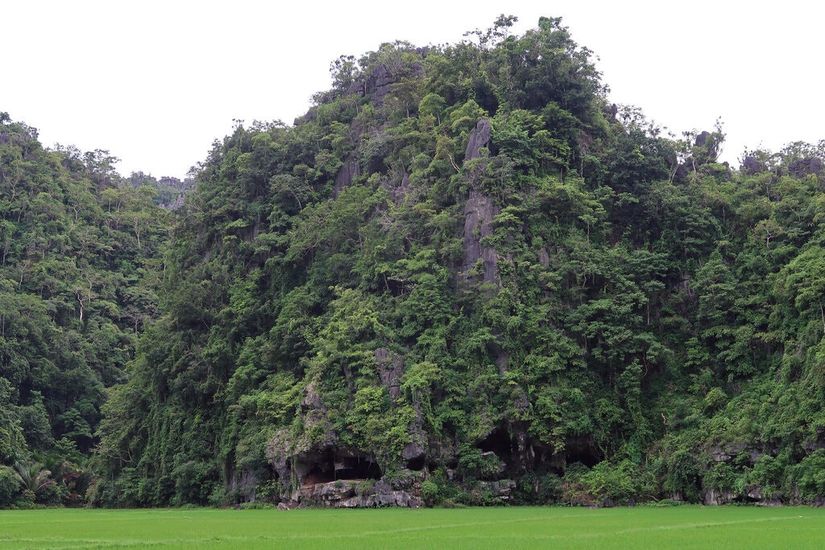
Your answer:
<point x="328" y="467"/>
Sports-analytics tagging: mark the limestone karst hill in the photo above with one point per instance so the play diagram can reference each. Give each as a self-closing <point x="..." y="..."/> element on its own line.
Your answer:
<point x="465" y="276"/>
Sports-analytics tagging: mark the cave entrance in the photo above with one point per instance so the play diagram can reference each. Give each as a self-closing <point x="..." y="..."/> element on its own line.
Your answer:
<point x="499" y="442"/>
<point x="318" y="475"/>
<point x="327" y="466"/>
<point x="417" y="463"/>
<point x="320" y="470"/>
<point x="356" y="467"/>
<point x="582" y="450"/>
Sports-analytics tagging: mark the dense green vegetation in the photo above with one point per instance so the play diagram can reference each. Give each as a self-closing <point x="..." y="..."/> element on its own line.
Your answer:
<point x="463" y="274"/>
<point x="78" y="272"/>
<point x="523" y="527"/>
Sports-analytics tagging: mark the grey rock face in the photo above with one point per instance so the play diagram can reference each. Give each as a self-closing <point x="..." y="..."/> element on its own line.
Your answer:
<point x="399" y="190"/>
<point x="348" y="172"/>
<point x="412" y="451"/>
<point x="723" y="454"/>
<point x="244" y="483"/>
<point x="382" y="80"/>
<point x="479" y="211"/>
<point x="544" y="257"/>
<point x="500" y="490"/>
<point x="814" y="444"/>
<point x="379" y="83"/>
<point x="390" y="369"/>
<point x="356" y="494"/>
<point x="312" y="399"/>
<point x="479" y="137"/>
<point x="713" y="497"/>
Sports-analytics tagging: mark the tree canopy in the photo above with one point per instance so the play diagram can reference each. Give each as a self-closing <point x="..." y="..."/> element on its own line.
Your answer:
<point x="462" y="269"/>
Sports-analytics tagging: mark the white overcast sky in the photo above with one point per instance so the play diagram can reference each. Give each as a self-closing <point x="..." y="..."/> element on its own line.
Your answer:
<point x="155" y="82"/>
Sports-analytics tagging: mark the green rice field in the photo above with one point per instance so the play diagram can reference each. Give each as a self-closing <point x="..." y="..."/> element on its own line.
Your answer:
<point x="640" y="527"/>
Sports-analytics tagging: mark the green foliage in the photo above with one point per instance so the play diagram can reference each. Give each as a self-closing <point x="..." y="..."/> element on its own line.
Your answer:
<point x="621" y="483"/>
<point x="78" y="259"/>
<point x="9" y="486"/>
<point x="12" y="442"/>
<point x="36" y="483"/>
<point x="577" y="302"/>
<point x="538" y="488"/>
<point x="681" y="476"/>
<point x="809" y="475"/>
<point x="430" y="492"/>
<point x="650" y="312"/>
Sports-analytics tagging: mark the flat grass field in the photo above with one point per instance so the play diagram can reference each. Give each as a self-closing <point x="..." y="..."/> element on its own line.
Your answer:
<point x="515" y="527"/>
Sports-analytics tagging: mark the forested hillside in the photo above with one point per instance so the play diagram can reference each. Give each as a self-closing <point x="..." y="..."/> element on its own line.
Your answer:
<point x="79" y="258"/>
<point x="463" y="276"/>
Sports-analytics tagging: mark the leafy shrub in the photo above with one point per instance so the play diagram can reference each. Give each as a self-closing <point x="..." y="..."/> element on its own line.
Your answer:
<point x="9" y="486"/>
<point x="682" y="475"/>
<point x="430" y="492"/>
<point x="194" y="482"/>
<point x="607" y="483"/>
<point x="130" y="489"/>
<point x="26" y="500"/>
<point x="809" y="476"/>
<point x="364" y="487"/>
<point x="269" y="491"/>
<point x="101" y="493"/>
<point x="534" y="488"/>
<point x="51" y="494"/>
<point x="715" y="399"/>
<point x="473" y="463"/>
<point x="720" y="477"/>
<point x="479" y="495"/>
<point x="218" y="497"/>
<point x="767" y="474"/>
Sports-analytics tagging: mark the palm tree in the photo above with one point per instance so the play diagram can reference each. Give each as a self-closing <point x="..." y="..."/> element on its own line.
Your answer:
<point x="32" y="477"/>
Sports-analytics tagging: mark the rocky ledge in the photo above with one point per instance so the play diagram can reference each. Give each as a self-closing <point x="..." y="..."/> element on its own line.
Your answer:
<point x="354" y="493"/>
